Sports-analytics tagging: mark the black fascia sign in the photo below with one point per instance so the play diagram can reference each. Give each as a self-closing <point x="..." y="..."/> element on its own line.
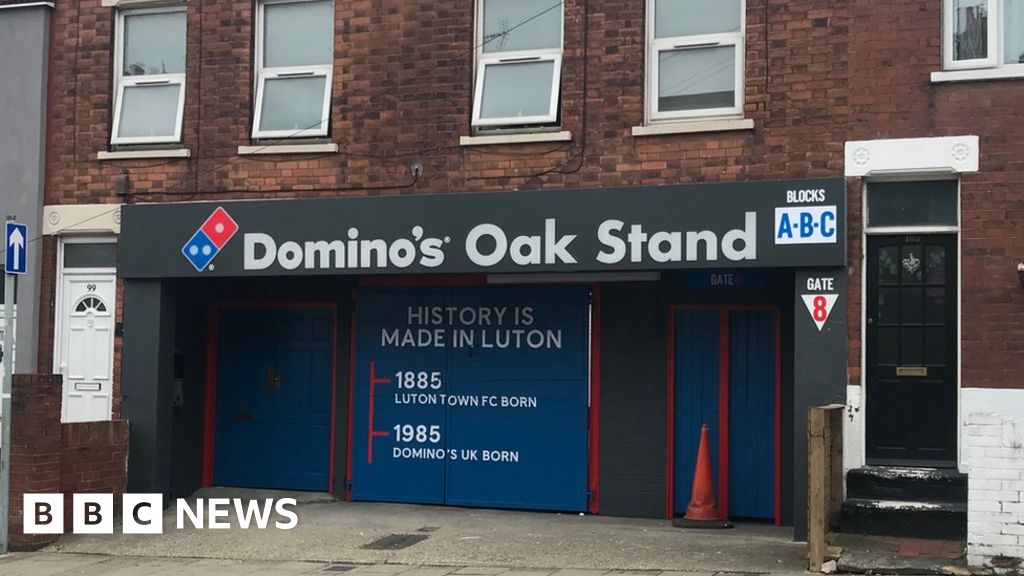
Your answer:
<point x="789" y="223"/>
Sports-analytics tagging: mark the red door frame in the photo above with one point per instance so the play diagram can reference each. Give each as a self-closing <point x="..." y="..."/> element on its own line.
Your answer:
<point x="594" y="412"/>
<point x="723" y="403"/>
<point x="210" y="412"/>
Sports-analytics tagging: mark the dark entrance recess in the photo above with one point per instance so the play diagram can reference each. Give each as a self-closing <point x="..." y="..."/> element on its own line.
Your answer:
<point x="726" y="369"/>
<point x="911" y="350"/>
<point x="274" y="378"/>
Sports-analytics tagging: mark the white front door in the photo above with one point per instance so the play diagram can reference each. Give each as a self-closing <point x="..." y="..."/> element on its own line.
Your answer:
<point x="87" y="346"/>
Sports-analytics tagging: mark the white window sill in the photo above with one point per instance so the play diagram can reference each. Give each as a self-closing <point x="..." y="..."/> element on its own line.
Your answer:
<point x="692" y="126"/>
<point x="27" y="5"/>
<point x="129" y="3"/>
<point x="563" y="136"/>
<point x="328" y="148"/>
<point x="143" y="154"/>
<point x="971" y="75"/>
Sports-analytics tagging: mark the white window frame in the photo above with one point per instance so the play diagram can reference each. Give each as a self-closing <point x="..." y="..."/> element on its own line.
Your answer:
<point x="996" y="43"/>
<point x="121" y="82"/>
<point x="263" y="74"/>
<point x="486" y="59"/>
<point x="655" y="46"/>
<point x="993" y="34"/>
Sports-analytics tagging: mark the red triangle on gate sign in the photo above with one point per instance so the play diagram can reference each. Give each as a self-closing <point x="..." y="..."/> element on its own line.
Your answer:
<point x="820" y="307"/>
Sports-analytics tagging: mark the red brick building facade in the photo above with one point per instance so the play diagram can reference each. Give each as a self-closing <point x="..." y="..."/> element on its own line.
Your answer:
<point x="823" y="86"/>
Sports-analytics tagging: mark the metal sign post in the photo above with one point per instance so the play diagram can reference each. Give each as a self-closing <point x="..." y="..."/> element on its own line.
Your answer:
<point x="15" y="244"/>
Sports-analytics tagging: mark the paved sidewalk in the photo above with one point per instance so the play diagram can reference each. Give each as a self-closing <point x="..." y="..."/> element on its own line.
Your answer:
<point x="65" y="564"/>
<point x="366" y="533"/>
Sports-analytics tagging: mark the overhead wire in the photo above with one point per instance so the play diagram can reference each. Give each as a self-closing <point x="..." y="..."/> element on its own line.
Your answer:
<point x="583" y="128"/>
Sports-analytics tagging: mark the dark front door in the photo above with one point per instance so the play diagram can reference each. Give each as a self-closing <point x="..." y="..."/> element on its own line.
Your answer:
<point x="273" y="398"/>
<point x="911" y="350"/>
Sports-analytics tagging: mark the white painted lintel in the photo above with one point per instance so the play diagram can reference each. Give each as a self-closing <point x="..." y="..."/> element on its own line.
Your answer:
<point x="918" y="156"/>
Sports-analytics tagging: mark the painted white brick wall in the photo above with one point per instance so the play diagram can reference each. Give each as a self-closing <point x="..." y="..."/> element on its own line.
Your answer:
<point x="853" y="430"/>
<point x="992" y="455"/>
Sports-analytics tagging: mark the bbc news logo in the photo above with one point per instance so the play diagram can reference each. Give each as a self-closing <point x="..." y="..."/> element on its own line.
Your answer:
<point x="144" y="514"/>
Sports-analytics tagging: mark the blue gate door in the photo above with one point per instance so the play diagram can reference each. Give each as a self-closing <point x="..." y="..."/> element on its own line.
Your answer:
<point x="752" y="375"/>
<point x="529" y="436"/>
<point x="398" y="443"/>
<point x="744" y="342"/>
<point x="471" y="396"/>
<point x="696" y="370"/>
<point x="273" y="411"/>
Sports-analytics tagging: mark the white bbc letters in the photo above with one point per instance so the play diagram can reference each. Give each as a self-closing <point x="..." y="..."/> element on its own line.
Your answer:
<point x="43" y="514"/>
<point x="218" y="508"/>
<point x="143" y="514"/>
<point x="92" y="514"/>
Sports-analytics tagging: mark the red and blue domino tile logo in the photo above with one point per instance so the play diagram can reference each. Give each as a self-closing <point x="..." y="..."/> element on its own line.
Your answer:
<point x="209" y="239"/>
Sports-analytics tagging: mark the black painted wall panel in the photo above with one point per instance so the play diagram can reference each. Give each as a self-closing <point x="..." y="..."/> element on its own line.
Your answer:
<point x="819" y="374"/>
<point x="187" y="419"/>
<point x="149" y="328"/>
<point x="633" y="390"/>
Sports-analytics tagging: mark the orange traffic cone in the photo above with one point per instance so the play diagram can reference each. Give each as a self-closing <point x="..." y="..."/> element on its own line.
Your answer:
<point x="702" y="512"/>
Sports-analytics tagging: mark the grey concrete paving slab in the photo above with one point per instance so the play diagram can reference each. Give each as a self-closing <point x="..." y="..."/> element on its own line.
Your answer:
<point x="208" y="567"/>
<point x="382" y="569"/>
<point x="121" y="566"/>
<point x="580" y="572"/>
<point x="292" y="569"/>
<point x="480" y="570"/>
<point x="429" y="571"/>
<point x="45" y="563"/>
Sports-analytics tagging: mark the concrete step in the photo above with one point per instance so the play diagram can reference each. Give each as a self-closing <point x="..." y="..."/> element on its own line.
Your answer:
<point x="906" y="484"/>
<point x="911" y="519"/>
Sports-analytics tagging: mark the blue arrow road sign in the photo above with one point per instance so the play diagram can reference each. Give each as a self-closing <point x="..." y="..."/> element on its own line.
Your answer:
<point x="16" y="244"/>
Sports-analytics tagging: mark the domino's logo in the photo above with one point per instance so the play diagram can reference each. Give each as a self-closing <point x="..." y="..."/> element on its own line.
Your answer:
<point x="208" y="241"/>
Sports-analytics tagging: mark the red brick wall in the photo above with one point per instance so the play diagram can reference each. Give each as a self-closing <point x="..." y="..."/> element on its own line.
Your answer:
<point x="895" y="46"/>
<point x="47" y="304"/>
<point x="50" y="457"/>
<point x="402" y="93"/>
<point x="35" y="448"/>
<point x="94" y="458"/>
